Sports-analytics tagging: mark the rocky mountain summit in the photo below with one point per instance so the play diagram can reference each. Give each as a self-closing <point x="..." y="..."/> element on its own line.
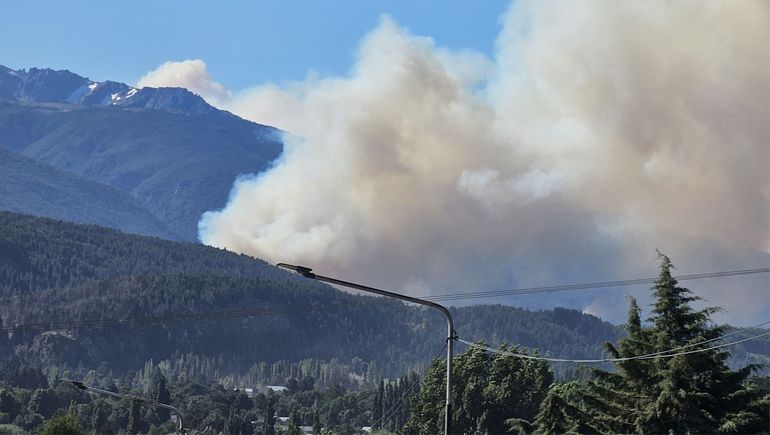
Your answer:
<point x="51" y="86"/>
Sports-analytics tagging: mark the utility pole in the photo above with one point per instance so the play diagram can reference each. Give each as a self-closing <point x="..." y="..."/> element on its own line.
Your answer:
<point x="85" y="387"/>
<point x="451" y="334"/>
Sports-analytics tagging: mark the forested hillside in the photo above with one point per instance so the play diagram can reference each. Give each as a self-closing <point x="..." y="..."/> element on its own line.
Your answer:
<point x="38" y="253"/>
<point x="70" y="284"/>
<point x="85" y="296"/>
<point x="30" y="187"/>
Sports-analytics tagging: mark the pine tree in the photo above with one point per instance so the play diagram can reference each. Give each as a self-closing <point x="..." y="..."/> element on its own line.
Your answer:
<point x="100" y="416"/>
<point x="294" y="422"/>
<point x="564" y="411"/>
<point x="317" y="428"/>
<point x="378" y="407"/>
<point x="270" y="413"/>
<point x="693" y="392"/>
<point x="135" y="424"/>
<point x="552" y="418"/>
<point x="162" y="395"/>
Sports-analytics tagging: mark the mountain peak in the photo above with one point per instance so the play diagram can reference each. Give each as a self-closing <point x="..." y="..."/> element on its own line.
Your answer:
<point x="45" y="85"/>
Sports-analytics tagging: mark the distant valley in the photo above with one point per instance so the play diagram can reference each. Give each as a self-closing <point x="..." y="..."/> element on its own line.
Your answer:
<point x="32" y="187"/>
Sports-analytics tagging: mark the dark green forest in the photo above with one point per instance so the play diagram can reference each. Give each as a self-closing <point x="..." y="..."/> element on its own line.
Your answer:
<point x="129" y="313"/>
<point x="77" y="297"/>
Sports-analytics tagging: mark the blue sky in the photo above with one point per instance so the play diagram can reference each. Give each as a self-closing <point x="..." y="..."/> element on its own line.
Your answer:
<point x="243" y="43"/>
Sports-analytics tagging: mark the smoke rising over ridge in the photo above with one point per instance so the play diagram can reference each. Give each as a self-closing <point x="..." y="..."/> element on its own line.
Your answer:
<point x="189" y="74"/>
<point x="599" y="132"/>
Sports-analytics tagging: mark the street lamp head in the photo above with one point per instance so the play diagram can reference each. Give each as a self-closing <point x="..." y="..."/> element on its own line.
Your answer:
<point x="76" y="384"/>
<point x="302" y="270"/>
<point x="85" y="387"/>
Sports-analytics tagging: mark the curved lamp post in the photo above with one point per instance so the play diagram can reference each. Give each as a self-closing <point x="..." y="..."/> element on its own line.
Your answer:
<point x="85" y="387"/>
<point x="451" y="334"/>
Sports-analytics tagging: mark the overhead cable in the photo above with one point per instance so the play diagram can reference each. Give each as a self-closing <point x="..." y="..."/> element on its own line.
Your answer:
<point x="656" y="355"/>
<point x="588" y="286"/>
<point x="265" y="311"/>
<point x="721" y="337"/>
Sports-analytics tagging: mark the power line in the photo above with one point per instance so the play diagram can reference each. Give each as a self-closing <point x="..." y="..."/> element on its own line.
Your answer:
<point x="739" y="331"/>
<point x="565" y="287"/>
<point x="700" y="343"/>
<point x="662" y="354"/>
<point x="589" y="286"/>
<point x="264" y="311"/>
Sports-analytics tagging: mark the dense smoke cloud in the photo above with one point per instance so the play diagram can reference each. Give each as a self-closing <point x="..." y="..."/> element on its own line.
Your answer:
<point x="599" y="132"/>
<point x="189" y="74"/>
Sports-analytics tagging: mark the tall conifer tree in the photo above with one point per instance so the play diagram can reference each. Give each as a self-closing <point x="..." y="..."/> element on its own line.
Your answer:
<point x="270" y="413"/>
<point x="691" y="392"/>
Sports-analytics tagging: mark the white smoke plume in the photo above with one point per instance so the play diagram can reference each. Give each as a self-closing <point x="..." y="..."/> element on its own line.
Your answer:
<point x="599" y="132"/>
<point x="189" y="74"/>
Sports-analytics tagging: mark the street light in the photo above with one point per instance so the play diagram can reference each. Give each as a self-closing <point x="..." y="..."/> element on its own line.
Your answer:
<point x="451" y="335"/>
<point x="85" y="387"/>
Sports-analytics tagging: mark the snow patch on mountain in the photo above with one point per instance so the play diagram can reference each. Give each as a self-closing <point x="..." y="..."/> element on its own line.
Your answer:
<point x="52" y="86"/>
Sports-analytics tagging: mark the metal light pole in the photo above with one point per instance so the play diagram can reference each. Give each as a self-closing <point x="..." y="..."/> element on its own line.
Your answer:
<point x="451" y="335"/>
<point x="85" y="387"/>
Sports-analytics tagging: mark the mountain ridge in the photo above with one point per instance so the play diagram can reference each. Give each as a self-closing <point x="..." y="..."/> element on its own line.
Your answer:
<point x="177" y="156"/>
<point x="45" y="85"/>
